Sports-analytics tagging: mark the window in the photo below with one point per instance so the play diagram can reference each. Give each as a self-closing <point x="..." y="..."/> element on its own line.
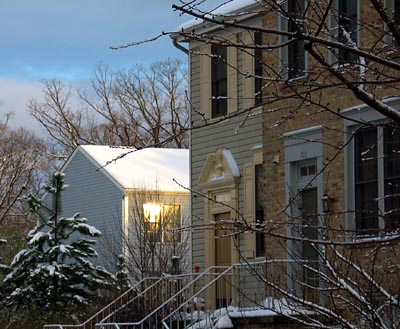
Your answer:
<point x="295" y="50"/>
<point x="377" y="179"/>
<point x="253" y="174"/>
<point x="219" y="82"/>
<point x="159" y="221"/>
<point x="397" y="12"/>
<point x="253" y="67"/>
<point x="347" y="29"/>
<point x="258" y="69"/>
<point x="393" y="11"/>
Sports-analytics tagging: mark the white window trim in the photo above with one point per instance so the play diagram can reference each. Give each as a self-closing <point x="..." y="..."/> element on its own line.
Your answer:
<point x="302" y="146"/>
<point x="353" y="115"/>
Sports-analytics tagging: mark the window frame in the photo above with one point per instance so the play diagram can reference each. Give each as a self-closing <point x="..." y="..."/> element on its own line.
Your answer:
<point x="219" y="81"/>
<point x="252" y="247"/>
<point x="381" y="226"/>
<point x="334" y="54"/>
<point x="258" y="69"/>
<point x="161" y="231"/>
<point x="390" y="6"/>
<point x="284" y="51"/>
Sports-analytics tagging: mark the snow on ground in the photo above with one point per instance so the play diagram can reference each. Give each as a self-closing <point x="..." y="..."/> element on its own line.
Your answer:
<point x="222" y="318"/>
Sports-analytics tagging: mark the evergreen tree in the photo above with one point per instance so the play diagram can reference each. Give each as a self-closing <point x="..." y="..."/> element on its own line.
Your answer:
<point x="122" y="275"/>
<point x="54" y="274"/>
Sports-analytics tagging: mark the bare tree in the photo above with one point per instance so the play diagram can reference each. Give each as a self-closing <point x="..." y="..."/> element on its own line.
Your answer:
<point x="321" y="64"/>
<point x="22" y="157"/>
<point x="153" y="239"/>
<point x="137" y="107"/>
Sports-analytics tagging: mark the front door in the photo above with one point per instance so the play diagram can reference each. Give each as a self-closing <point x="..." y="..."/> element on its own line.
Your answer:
<point x="309" y="229"/>
<point x="223" y="257"/>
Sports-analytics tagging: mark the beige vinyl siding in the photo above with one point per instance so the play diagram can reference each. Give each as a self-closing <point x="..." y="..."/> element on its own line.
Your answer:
<point x="207" y="140"/>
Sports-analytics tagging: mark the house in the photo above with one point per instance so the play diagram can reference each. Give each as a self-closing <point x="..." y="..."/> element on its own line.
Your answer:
<point x="293" y="157"/>
<point x="131" y="197"/>
<point x="294" y="166"/>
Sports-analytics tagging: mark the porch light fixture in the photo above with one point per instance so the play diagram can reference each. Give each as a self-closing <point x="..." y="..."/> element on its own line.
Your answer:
<point x="327" y="203"/>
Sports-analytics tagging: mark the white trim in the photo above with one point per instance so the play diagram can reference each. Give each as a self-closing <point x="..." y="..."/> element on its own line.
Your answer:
<point x="354" y="118"/>
<point x="304" y="131"/>
<point x="305" y="148"/>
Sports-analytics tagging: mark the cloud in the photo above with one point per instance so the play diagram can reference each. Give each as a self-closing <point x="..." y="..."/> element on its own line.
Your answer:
<point x="14" y="98"/>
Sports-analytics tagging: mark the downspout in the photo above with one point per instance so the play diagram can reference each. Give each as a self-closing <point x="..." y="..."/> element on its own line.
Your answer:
<point x="186" y="51"/>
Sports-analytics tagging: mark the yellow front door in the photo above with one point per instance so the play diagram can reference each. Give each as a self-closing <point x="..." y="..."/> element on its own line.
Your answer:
<point x="223" y="257"/>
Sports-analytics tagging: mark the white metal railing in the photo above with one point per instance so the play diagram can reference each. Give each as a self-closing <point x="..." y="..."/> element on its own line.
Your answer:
<point x="124" y="299"/>
<point x="242" y="286"/>
<point x="154" y="318"/>
<point x="201" y="299"/>
<point x="206" y="298"/>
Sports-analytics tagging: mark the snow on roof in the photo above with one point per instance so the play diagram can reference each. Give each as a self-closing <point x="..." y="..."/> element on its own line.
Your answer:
<point x="227" y="8"/>
<point x="145" y="168"/>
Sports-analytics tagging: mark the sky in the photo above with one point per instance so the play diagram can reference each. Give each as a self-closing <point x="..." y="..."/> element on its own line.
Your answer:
<point x="67" y="39"/>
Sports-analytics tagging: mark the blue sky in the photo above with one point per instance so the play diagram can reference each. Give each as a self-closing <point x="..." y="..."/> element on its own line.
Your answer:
<point x="68" y="39"/>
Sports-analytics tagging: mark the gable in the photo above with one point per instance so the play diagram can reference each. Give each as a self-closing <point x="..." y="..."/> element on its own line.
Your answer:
<point x="220" y="170"/>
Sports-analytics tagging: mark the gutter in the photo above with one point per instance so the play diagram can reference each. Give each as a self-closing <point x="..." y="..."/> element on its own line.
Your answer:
<point x="179" y="46"/>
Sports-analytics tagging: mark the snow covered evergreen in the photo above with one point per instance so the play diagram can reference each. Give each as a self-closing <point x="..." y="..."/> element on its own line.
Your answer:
<point x="54" y="274"/>
<point x="122" y="275"/>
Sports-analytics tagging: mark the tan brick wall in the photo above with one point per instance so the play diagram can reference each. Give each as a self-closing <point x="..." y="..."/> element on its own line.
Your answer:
<point x="294" y="113"/>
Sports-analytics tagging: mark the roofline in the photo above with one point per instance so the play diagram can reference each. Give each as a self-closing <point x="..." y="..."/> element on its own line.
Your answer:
<point x="100" y="167"/>
<point x="132" y="189"/>
<point x="207" y="27"/>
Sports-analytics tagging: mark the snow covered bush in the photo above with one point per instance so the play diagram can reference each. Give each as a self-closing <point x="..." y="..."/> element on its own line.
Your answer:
<point x="54" y="274"/>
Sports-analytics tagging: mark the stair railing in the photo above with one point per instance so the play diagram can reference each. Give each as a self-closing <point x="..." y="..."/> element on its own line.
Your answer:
<point x="127" y="297"/>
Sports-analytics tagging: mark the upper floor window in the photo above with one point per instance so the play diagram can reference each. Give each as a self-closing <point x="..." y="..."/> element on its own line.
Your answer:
<point x="219" y="81"/>
<point x="258" y="69"/>
<point x="347" y="16"/>
<point x="293" y="56"/>
<point x="377" y="179"/>
<point x="397" y="11"/>
<point x="160" y="221"/>
<point x="296" y="59"/>
<point x="393" y="12"/>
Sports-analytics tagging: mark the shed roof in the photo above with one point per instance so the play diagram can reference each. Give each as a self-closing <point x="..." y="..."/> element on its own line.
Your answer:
<point x="144" y="168"/>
